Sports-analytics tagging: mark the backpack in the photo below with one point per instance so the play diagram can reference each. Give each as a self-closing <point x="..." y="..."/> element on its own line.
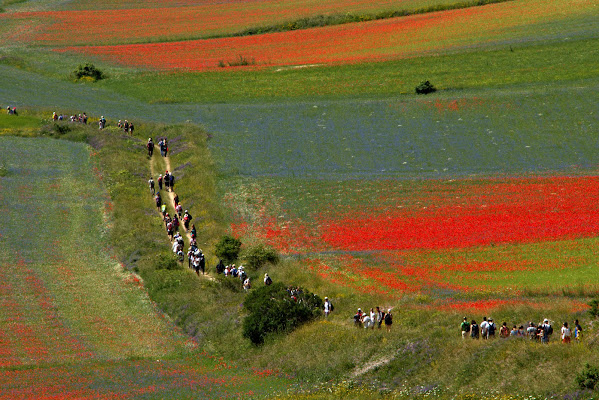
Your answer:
<point x="491" y="329"/>
<point x="388" y="318"/>
<point x="549" y="330"/>
<point x="268" y="281"/>
<point x="331" y="306"/>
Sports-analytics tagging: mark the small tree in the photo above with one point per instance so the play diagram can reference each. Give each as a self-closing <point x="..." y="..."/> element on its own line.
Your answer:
<point x="425" y="88"/>
<point x="227" y="249"/>
<point x="258" y="256"/>
<point x="88" y="71"/>
<point x="272" y="309"/>
<point x="588" y="377"/>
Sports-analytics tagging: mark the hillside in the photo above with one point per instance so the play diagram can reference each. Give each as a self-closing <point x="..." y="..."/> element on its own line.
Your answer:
<point x="478" y="200"/>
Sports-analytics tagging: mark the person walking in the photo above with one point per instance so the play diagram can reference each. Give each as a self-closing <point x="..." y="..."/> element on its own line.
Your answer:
<point x="328" y="307"/>
<point x="484" y="328"/>
<point x="388" y="320"/>
<point x="577" y="331"/>
<point x="167" y="181"/>
<point x="151" y="184"/>
<point x="267" y="280"/>
<point x="160" y="182"/>
<point x="465" y="328"/>
<point x="474" y="330"/>
<point x="379" y="316"/>
<point x="150" y="147"/>
<point x="566" y="334"/>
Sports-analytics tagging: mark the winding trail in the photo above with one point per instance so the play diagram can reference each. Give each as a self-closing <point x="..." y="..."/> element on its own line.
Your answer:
<point x="171" y="201"/>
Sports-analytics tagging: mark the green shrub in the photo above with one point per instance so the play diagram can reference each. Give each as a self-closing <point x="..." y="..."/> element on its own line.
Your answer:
<point x="273" y="310"/>
<point x="227" y="249"/>
<point x="88" y="71"/>
<point x="594" y="310"/>
<point x="425" y="88"/>
<point x="167" y="261"/>
<point x="588" y="377"/>
<point x="258" y="256"/>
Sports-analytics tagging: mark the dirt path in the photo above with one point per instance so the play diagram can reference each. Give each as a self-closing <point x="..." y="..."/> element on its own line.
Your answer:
<point x="169" y="200"/>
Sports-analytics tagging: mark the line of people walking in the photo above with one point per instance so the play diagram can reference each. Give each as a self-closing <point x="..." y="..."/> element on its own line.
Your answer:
<point x="541" y="332"/>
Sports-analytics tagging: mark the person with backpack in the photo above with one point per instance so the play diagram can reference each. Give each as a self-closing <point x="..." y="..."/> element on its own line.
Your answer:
<point x="131" y="128"/>
<point x="388" y="320"/>
<point x="546" y="331"/>
<point x="158" y="200"/>
<point x="247" y="285"/>
<point x="504" y="331"/>
<point x="150" y="147"/>
<point x="202" y="263"/>
<point x="187" y="219"/>
<point x="267" y="280"/>
<point x="358" y="318"/>
<point x="172" y="181"/>
<point x="465" y="327"/>
<point x="474" y="330"/>
<point x="167" y="181"/>
<point x="491" y="329"/>
<point x="160" y="182"/>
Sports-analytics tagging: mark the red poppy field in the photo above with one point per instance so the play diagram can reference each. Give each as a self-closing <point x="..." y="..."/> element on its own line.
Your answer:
<point x="391" y="237"/>
<point x="377" y="40"/>
<point x="168" y="20"/>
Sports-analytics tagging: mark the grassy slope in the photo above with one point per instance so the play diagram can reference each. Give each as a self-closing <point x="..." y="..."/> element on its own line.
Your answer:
<point x="512" y="64"/>
<point x="47" y="337"/>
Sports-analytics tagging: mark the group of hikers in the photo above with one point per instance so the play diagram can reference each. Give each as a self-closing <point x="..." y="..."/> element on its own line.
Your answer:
<point x="11" y="110"/>
<point x="168" y="181"/>
<point x="540" y="332"/>
<point x="126" y="126"/>
<point x="239" y="272"/>
<point x="376" y="317"/>
<point x="81" y="118"/>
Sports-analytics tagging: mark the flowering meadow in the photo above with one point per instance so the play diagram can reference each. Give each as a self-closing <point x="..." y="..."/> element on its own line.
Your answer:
<point x="167" y="20"/>
<point x="358" y="42"/>
<point x="393" y="236"/>
<point x="74" y="322"/>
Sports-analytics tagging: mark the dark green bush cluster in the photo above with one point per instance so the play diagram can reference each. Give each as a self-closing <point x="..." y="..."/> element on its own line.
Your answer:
<point x="425" y="88"/>
<point x="88" y="71"/>
<point x="260" y="255"/>
<point x="272" y="309"/>
<point x="227" y="249"/>
<point x="588" y="377"/>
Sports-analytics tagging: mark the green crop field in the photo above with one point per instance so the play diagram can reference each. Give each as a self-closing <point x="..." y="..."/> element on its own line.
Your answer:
<point x="480" y="199"/>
